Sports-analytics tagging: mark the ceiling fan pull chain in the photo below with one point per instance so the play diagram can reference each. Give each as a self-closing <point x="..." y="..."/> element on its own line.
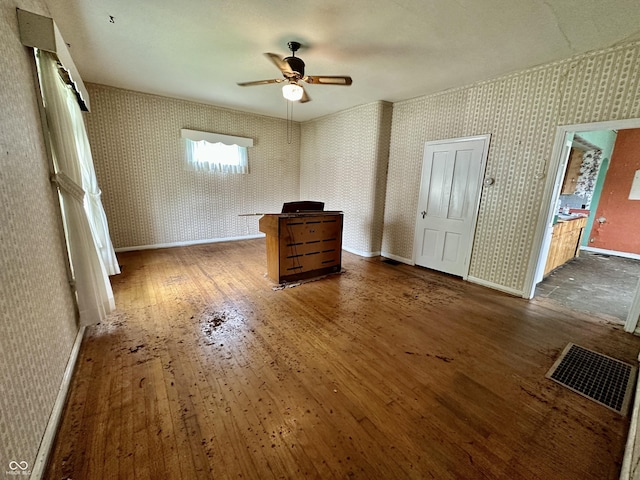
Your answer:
<point x="289" y="122"/>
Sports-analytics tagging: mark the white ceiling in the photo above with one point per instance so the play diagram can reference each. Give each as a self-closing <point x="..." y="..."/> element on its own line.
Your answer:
<point x="393" y="49"/>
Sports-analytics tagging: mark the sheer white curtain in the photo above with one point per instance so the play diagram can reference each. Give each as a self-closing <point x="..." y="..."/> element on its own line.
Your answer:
<point x="216" y="157"/>
<point x="90" y="248"/>
<point x="215" y="152"/>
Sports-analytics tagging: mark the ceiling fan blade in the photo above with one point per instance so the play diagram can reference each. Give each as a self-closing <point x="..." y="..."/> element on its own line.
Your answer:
<point x="305" y="98"/>
<point x="280" y="63"/>
<point x="328" y="80"/>
<point x="261" y="82"/>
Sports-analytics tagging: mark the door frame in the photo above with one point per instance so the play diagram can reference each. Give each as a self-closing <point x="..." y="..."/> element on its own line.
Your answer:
<point x="563" y="162"/>
<point x="634" y="313"/>
<point x="547" y="205"/>
<point x="486" y="138"/>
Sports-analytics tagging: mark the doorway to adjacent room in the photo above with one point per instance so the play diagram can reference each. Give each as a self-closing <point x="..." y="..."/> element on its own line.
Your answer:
<point x="600" y="281"/>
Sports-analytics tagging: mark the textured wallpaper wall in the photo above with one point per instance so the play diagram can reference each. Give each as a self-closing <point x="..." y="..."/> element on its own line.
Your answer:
<point x="37" y="319"/>
<point x="149" y="197"/>
<point x="521" y="112"/>
<point x="343" y="163"/>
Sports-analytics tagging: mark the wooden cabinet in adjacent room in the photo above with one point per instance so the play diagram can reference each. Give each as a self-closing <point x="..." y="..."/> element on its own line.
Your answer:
<point x="573" y="172"/>
<point x="565" y="243"/>
<point x="302" y="245"/>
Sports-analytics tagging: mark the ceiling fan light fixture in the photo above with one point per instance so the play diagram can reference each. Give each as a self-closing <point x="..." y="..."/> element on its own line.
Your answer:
<point x="292" y="92"/>
<point x="292" y="69"/>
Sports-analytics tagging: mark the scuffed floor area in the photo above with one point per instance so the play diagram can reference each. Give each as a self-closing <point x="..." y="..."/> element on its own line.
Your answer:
<point x="600" y="285"/>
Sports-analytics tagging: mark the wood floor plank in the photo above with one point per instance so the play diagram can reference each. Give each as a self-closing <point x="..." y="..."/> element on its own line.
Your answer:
<point x="97" y="416"/>
<point x="71" y="453"/>
<point x="143" y="461"/>
<point x="207" y="371"/>
<point x="126" y="446"/>
<point x="111" y="446"/>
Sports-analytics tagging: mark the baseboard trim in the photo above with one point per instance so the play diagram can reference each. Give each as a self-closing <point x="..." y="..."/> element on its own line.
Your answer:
<point x="613" y="253"/>
<point x="187" y="243"/>
<point x="632" y="449"/>
<point x="46" y="445"/>
<point x="397" y="258"/>
<point x="226" y="239"/>
<point x="361" y="253"/>
<point x="495" y="286"/>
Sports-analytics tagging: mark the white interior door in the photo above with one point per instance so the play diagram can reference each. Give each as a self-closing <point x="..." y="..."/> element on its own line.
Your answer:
<point x="452" y="172"/>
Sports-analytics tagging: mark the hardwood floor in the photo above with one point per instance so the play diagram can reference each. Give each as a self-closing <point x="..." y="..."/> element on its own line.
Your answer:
<point x="382" y="372"/>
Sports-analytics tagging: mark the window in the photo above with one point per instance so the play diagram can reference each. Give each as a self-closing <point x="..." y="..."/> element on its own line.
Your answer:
<point x="91" y="254"/>
<point x="215" y="152"/>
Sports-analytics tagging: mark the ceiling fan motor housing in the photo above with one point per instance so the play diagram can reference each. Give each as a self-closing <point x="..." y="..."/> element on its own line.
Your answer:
<point x="292" y="69"/>
<point x="296" y="64"/>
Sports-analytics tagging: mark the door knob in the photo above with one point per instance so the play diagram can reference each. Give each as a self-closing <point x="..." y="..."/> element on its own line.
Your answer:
<point x="423" y="213"/>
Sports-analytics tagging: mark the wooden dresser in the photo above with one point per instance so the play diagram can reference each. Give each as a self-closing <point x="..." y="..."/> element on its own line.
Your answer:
<point x="302" y="245"/>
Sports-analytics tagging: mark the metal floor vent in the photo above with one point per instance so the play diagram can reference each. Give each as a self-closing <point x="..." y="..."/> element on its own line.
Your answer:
<point x="598" y="377"/>
<point x="390" y="261"/>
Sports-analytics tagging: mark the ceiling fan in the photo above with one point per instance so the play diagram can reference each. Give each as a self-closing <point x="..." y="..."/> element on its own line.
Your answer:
<point x="292" y="69"/>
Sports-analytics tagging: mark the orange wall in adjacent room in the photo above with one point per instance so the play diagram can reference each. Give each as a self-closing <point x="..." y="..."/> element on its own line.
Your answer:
<point x="621" y="230"/>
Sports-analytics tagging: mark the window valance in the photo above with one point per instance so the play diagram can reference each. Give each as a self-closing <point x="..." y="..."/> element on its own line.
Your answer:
<point x="40" y="32"/>
<point x="197" y="136"/>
